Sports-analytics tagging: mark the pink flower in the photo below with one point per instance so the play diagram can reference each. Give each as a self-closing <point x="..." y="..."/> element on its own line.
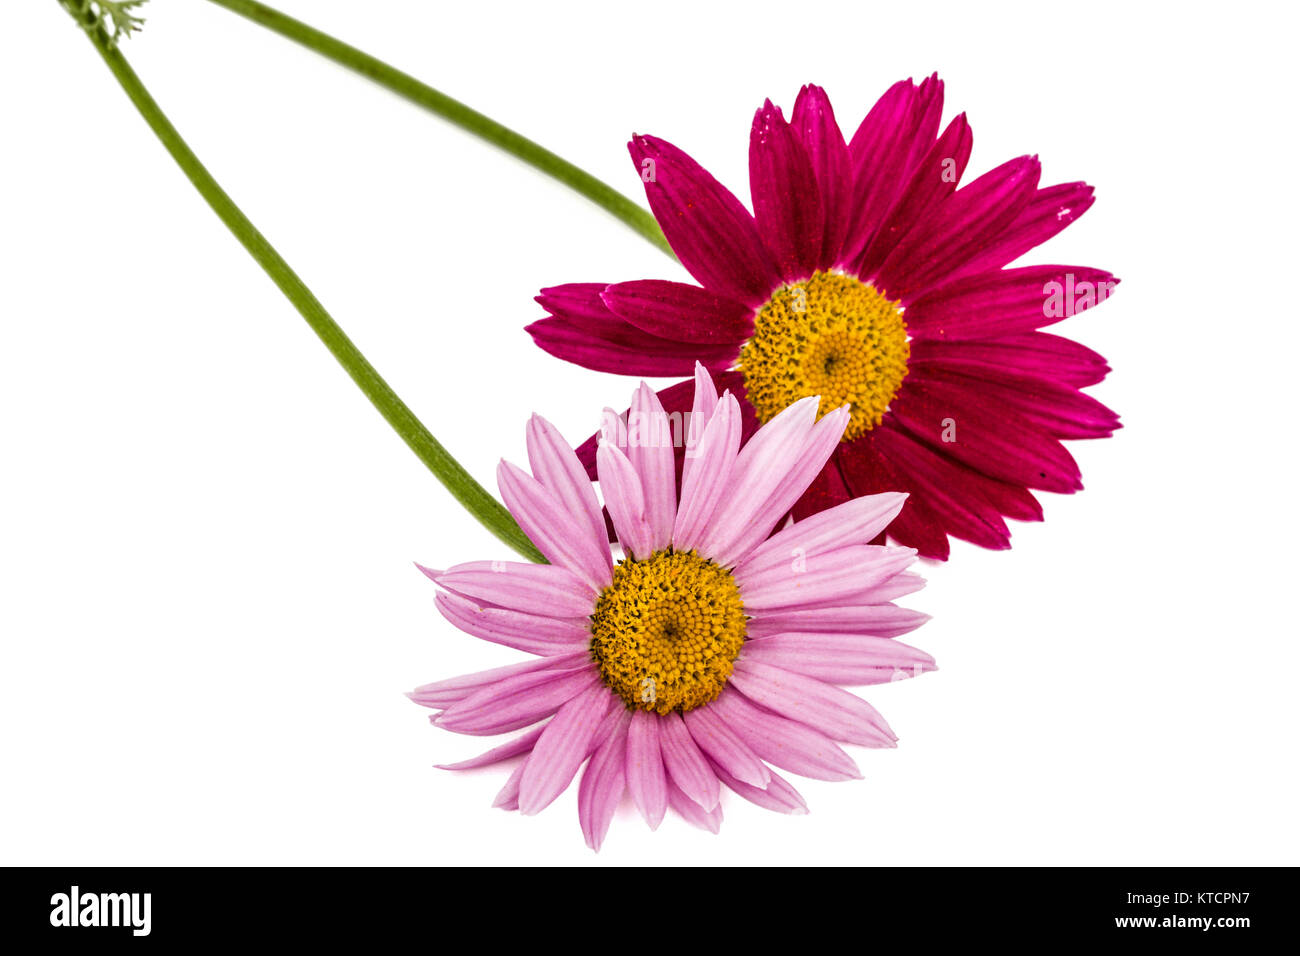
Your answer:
<point x="712" y="650"/>
<point x="866" y="276"/>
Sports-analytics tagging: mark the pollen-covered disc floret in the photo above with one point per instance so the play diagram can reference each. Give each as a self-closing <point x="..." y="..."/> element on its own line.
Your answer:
<point x="829" y="335"/>
<point x="666" y="631"/>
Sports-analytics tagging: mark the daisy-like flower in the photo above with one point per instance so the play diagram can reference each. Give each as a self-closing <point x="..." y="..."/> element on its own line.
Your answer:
<point x="866" y="276"/>
<point x="712" y="651"/>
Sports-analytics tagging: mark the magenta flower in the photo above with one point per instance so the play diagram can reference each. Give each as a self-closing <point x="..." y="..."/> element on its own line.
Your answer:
<point x="866" y="276"/>
<point x="711" y="650"/>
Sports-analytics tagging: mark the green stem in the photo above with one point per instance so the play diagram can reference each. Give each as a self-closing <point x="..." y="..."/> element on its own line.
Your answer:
<point x="407" y="86"/>
<point x="445" y="468"/>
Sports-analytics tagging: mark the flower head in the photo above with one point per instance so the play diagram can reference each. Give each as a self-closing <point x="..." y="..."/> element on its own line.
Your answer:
<point x="712" y="650"/>
<point x="866" y="276"/>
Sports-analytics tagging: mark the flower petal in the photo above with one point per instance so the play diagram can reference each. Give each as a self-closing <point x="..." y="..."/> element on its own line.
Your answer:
<point x="603" y="784"/>
<point x="557" y="467"/>
<point x="446" y="692"/>
<point x="822" y="706"/>
<point x="724" y="749"/>
<point x="847" y="659"/>
<point x="621" y="486"/>
<point x="1051" y="209"/>
<point x="785" y="743"/>
<point x="878" y="620"/>
<point x="813" y="121"/>
<point x="626" y="350"/>
<point x="708" y="475"/>
<point x="650" y="450"/>
<point x="520" y="745"/>
<point x="550" y="525"/>
<point x="787" y="202"/>
<point x="778" y="795"/>
<point x="691" y="812"/>
<point x="516" y="702"/>
<point x="646" y="780"/>
<point x="532" y="633"/>
<point x="534" y="588"/>
<point x="562" y="748"/>
<point x="684" y="763"/>
<point x="713" y="235"/>
<point x="831" y="578"/>
<point x="680" y="312"/>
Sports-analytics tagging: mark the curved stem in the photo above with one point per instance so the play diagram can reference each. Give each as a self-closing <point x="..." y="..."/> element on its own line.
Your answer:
<point x="490" y="512"/>
<point x="407" y="86"/>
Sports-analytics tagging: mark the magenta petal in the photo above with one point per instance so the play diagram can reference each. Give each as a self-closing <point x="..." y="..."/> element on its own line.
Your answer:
<point x="933" y="179"/>
<point x="684" y="763"/>
<point x="813" y="121"/>
<point x="562" y="748"/>
<point x="680" y="312"/>
<point x="892" y="139"/>
<point x="1050" y="210"/>
<point x="958" y="230"/>
<point x="712" y="233"/>
<point x="646" y="780"/>
<point x="989" y="437"/>
<point x="1038" y="353"/>
<point x="525" y="632"/>
<point x="603" y="784"/>
<point x="787" y="202"/>
<point x="626" y="351"/>
<point x="1007" y="302"/>
<point x="787" y="744"/>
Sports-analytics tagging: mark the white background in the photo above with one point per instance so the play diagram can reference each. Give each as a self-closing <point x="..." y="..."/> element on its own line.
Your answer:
<point x="209" y="612"/>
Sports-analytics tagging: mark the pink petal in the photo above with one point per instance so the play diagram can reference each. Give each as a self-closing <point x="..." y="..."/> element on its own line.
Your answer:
<point x="526" y="632"/>
<point x="621" y="486"/>
<point x="543" y="589"/>
<point x="520" y="745"/>
<point x="684" y="763"/>
<point x="516" y="702"/>
<point x="708" y="475"/>
<point x="562" y="748"/>
<point x="646" y="780"/>
<point x="692" y="812"/>
<point x="603" y="784"/>
<point x="825" y="707"/>
<point x="650" y="450"/>
<point x="444" y="693"/>
<point x="557" y="467"/>
<point x="846" y="659"/>
<point x="778" y="795"/>
<point x="549" y="524"/>
<point x="843" y="576"/>
<point x="854" y="522"/>
<point x="786" y="743"/>
<point x="877" y="620"/>
<point x="724" y="749"/>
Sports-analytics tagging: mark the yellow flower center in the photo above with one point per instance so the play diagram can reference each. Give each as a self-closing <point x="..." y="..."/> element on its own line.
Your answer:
<point x="667" y="630"/>
<point x="829" y="335"/>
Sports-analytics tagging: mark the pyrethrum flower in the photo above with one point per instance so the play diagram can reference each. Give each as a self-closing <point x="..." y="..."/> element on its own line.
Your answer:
<point x="865" y="275"/>
<point x="712" y="651"/>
